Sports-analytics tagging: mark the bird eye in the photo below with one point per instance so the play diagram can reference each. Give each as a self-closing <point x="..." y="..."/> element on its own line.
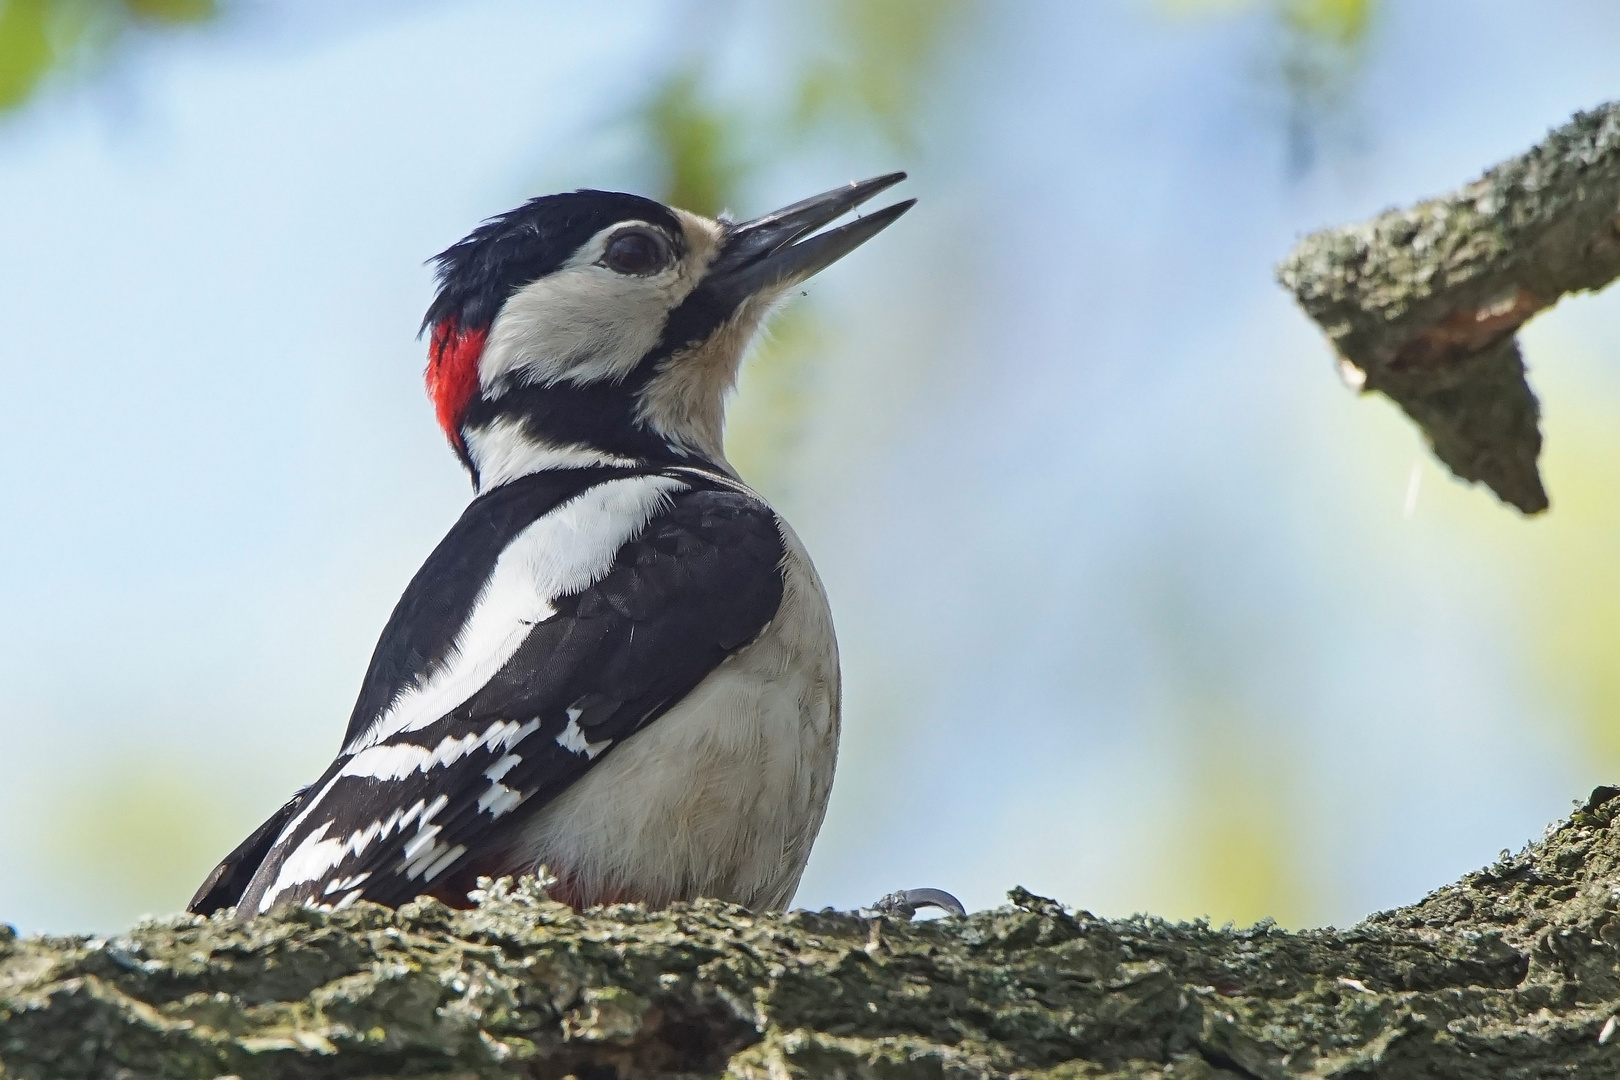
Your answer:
<point x="636" y="251"/>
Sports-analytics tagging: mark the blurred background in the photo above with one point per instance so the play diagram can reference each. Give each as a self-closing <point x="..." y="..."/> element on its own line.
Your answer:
<point x="1140" y="607"/>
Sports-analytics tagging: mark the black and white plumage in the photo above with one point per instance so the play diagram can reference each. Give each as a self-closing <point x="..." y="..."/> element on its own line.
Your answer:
<point x="619" y="663"/>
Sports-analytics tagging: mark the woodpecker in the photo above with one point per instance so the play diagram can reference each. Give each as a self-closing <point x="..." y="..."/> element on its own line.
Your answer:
<point x="620" y="663"/>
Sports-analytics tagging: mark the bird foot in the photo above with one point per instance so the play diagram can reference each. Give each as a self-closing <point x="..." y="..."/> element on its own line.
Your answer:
<point x="904" y="903"/>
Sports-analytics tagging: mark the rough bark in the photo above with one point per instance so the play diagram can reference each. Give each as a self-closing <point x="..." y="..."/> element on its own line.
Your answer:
<point x="1423" y="304"/>
<point x="1512" y="973"/>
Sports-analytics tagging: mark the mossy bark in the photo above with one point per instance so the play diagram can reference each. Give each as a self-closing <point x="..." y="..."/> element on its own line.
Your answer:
<point x="1422" y="304"/>
<point x="1514" y="972"/>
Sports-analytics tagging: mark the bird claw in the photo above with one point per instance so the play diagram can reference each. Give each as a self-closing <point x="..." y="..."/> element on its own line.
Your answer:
<point x="904" y="903"/>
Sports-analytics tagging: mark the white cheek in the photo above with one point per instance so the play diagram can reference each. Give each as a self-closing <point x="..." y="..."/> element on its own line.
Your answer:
<point x="579" y="325"/>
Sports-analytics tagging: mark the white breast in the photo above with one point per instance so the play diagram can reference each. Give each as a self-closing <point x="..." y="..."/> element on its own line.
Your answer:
<point x="723" y="795"/>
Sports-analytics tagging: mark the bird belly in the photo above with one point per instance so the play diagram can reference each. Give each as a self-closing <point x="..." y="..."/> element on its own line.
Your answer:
<point x="723" y="794"/>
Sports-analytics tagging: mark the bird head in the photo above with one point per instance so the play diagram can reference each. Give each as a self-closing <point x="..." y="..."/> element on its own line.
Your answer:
<point x="595" y="327"/>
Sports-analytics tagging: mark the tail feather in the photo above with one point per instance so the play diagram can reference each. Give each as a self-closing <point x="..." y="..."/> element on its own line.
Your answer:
<point x="223" y="887"/>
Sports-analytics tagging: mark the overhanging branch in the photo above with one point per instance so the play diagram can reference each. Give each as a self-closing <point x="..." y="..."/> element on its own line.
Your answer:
<point x="1423" y="304"/>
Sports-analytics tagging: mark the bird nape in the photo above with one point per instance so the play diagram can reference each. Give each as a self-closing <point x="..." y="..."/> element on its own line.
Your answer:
<point x="619" y="664"/>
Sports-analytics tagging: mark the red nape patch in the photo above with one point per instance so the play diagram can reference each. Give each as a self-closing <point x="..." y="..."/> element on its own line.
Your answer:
<point x="452" y="374"/>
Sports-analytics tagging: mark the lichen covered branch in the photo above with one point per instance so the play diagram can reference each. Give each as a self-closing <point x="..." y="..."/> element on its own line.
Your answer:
<point x="1422" y="304"/>
<point x="1514" y="972"/>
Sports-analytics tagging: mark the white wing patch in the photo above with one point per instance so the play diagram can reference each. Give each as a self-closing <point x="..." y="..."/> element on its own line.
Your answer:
<point x="434" y="860"/>
<point x="503" y="766"/>
<point x="573" y="739"/>
<point x="391" y="763"/>
<point x="316" y="855"/>
<point x="395" y="761"/>
<point x="560" y="554"/>
<point x="340" y="884"/>
<point x="498" y="799"/>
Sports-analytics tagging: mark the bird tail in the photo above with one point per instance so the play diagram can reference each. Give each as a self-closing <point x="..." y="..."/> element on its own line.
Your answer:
<point x="223" y="887"/>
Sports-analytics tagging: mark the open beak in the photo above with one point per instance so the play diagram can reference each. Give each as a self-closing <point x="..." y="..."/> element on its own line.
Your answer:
<point x="768" y="252"/>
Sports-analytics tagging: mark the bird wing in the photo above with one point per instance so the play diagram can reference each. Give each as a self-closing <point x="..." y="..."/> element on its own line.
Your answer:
<point x="587" y="626"/>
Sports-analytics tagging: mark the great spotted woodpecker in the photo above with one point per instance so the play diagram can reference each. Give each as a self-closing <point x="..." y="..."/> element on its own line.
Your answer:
<point x="620" y="662"/>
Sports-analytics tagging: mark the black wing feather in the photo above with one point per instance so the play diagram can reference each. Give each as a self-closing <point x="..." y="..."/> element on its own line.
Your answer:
<point x="700" y="581"/>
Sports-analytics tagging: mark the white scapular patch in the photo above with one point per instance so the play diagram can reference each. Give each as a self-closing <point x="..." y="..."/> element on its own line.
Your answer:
<point x="504" y="450"/>
<point x="560" y="554"/>
<point x="573" y="739"/>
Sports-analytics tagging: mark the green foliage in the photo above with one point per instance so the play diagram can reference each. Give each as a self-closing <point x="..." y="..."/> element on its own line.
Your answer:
<point x="843" y="69"/>
<point x="1563" y="567"/>
<point x="696" y="144"/>
<point x="1340" y="22"/>
<point x="171" y="11"/>
<point x="39" y="38"/>
<point x="139" y="833"/>
<point x="1233" y="845"/>
<point x="1574" y="594"/>
<point x="877" y="68"/>
<point x="25" y="49"/>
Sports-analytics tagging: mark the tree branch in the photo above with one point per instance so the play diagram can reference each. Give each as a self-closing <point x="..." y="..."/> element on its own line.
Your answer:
<point x="1512" y="973"/>
<point x="1423" y="304"/>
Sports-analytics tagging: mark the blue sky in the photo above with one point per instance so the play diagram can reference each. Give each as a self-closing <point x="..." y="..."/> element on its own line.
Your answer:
<point x="1122" y="574"/>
